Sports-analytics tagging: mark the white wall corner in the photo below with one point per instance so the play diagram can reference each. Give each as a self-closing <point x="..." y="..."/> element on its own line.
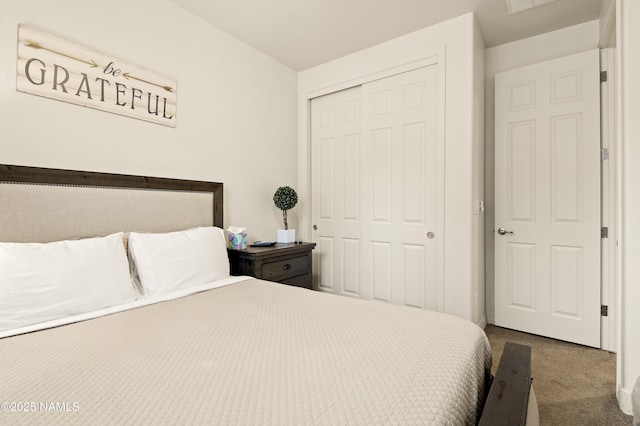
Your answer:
<point x="628" y="76"/>
<point x="480" y="307"/>
<point x="624" y="400"/>
<point x="607" y="23"/>
<point x="483" y="322"/>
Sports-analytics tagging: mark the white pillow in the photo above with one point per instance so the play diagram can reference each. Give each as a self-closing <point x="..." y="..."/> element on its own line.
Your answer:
<point x="45" y="281"/>
<point x="175" y="260"/>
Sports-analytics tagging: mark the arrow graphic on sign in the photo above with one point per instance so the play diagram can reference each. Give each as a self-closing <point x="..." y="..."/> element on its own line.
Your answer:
<point x="129" y="76"/>
<point x="92" y="64"/>
<point x="37" y="45"/>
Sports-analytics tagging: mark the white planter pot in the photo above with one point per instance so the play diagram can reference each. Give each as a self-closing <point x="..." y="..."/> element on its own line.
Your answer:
<point x="286" y="235"/>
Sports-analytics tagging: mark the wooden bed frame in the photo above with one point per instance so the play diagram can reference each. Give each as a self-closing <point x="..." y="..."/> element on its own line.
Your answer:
<point x="39" y="175"/>
<point x="507" y="395"/>
<point x="507" y="402"/>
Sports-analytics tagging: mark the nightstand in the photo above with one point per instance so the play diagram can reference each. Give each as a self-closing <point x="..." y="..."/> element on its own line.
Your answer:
<point x="283" y="263"/>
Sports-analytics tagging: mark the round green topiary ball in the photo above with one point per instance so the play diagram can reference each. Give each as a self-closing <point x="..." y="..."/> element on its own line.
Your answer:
<point x="285" y="198"/>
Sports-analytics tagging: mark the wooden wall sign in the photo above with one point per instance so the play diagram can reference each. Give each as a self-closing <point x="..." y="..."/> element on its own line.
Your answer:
<point x="59" y="69"/>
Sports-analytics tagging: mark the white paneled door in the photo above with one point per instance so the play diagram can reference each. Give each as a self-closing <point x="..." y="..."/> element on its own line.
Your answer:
<point x="547" y="192"/>
<point x="336" y="140"/>
<point x="377" y="179"/>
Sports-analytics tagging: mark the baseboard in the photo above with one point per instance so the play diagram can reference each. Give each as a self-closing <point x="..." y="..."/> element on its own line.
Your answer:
<point x="624" y="400"/>
<point x="491" y="318"/>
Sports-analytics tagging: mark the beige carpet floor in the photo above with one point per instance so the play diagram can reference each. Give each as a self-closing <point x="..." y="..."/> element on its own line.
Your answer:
<point x="574" y="385"/>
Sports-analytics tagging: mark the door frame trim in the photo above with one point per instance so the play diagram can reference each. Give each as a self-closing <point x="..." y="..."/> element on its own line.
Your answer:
<point x="609" y="212"/>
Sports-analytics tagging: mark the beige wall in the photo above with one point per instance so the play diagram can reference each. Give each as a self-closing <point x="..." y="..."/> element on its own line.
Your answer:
<point x="236" y="120"/>
<point x="510" y="56"/>
<point x="478" y="190"/>
<point x="628" y="44"/>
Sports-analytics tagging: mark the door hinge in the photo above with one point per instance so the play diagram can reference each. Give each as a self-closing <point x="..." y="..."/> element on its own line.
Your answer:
<point x="604" y="232"/>
<point x="604" y="154"/>
<point x="603" y="76"/>
<point x="604" y="310"/>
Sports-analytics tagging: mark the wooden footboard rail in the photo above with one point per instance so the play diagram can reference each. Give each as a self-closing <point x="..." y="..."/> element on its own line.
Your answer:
<point x="508" y="398"/>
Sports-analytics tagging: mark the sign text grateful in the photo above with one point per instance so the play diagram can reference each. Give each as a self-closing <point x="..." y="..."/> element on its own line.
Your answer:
<point x="58" y="69"/>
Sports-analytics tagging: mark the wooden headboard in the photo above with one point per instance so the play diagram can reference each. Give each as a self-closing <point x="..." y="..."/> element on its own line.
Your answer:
<point x="43" y="204"/>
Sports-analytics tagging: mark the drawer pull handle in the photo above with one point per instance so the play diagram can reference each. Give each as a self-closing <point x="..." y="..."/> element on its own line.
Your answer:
<point x="286" y="267"/>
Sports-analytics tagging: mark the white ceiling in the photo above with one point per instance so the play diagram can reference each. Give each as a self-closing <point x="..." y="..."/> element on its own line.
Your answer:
<point x="305" y="33"/>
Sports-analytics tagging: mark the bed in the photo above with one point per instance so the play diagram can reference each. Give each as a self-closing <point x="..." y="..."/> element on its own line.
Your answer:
<point x="176" y="340"/>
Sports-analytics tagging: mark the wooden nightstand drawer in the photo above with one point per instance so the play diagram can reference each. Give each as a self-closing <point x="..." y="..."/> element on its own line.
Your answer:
<point x="284" y="263"/>
<point x="285" y="268"/>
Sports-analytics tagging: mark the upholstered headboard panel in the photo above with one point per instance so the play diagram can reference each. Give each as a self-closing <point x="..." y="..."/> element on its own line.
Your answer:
<point x="41" y="205"/>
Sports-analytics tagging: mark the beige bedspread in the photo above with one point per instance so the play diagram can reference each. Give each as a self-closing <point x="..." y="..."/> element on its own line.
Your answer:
<point x="253" y="352"/>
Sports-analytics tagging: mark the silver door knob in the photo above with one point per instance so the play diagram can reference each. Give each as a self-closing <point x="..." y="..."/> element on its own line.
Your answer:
<point x="503" y="231"/>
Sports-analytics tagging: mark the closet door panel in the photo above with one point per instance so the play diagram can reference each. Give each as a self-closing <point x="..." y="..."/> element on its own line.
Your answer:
<point x="335" y="194"/>
<point x="377" y="184"/>
<point x="401" y="211"/>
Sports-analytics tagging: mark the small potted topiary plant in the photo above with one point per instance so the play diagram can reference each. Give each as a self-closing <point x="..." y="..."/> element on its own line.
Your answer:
<point x="285" y="199"/>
